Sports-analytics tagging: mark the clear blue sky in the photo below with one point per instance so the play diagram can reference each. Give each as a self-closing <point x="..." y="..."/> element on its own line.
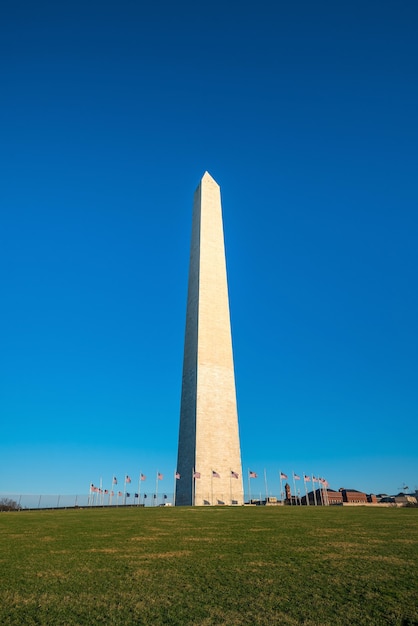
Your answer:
<point x="306" y="115"/>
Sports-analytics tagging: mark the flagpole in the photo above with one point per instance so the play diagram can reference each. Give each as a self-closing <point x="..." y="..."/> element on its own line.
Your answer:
<point x="326" y="485"/>
<point x="194" y="487"/>
<point x="324" y="498"/>
<point x="111" y="490"/>
<point x="324" y="491"/>
<point x="174" y="490"/>
<point x="313" y="489"/>
<point x="294" y="488"/>
<point x="320" y="492"/>
<point x="156" y="489"/>
<point x="306" y="490"/>
<point x="299" y="500"/>
<point x="139" y="489"/>
<point x="230" y="485"/>
<point x="296" y="477"/>
<point x="249" y="488"/>
<point x="281" y="487"/>
<point x="265" y="484"/>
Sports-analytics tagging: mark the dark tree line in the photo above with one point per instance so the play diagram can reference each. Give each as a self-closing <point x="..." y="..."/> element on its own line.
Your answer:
<point x="7" y="504"/>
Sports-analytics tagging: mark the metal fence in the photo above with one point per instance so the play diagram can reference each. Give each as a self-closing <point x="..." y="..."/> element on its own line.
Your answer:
<point x="103" y="500"/>
<point x="60" y="501"/>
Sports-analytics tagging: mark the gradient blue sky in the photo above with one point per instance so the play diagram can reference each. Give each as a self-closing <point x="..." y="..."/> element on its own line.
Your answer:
<point x="306" y="115"/>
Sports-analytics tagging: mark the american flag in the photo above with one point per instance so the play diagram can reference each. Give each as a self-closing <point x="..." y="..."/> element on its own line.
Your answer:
<point x="295" y="476"/>
<point x="283" y="475"/>
<point x="160" y="476"/>
<point x="177" y="476"/>
<point x="143" y="477"/>
<point x="115" y="481"/>
<point x="106" y="491"/>
<point x="128" y="479"/>
<point x="196" y="474"/>
<point x="215" y="474"/>
<point x="252" y="474"/>
<point x="128" y="495"/>
<point x="314" y="479"/>
<point x="234" y="474"/>
<point x="120" y="494"/>
<point x="112" y="493"/>
<point x="307" y="479"/>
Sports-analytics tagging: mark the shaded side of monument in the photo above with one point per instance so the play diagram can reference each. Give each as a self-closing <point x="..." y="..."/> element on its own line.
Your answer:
<point x="209" y="456"/>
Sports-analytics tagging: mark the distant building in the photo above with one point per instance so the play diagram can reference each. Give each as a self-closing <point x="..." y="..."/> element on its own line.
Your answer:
<point x="326" y="497"/>
<point x="402" y="499"/>
<point x="352" y="496"/>
<point x="323" y="497"/>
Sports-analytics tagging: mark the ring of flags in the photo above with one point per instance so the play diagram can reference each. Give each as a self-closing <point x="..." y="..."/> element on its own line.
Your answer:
<point x="196" y="475"/>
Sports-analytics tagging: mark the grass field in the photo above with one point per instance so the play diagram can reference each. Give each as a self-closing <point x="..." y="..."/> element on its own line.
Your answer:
<point x="210" y="566"/>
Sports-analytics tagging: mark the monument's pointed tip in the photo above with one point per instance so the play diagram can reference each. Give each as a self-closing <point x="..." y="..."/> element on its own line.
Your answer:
<point x="207" y="176"/>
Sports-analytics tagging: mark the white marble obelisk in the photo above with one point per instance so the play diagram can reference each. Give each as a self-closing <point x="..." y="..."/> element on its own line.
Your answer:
<point x="209" y="456"/>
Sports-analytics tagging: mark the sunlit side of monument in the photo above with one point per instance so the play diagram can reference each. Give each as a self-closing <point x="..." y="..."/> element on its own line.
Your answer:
<point x="209" y="457"/>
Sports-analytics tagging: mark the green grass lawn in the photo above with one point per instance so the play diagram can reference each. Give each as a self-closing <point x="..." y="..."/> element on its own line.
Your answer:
<point x="210" y="566"/>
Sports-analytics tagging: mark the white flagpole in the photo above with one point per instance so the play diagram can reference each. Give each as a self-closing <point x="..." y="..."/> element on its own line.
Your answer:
<point x="194" y="486"/>
<point x="313" y="489"/>
<point x="265" y="484"/>
<point x="306" y="490"/>
<point x="281" y="487"/>
<point x="249" y="486"/>
<point x="324" y="492"/>
<point x="156" y="489"/>
<point x="174" y="492"/>
<point x="321" y="492"/>
<point x="297" y="492"/>
<point x="294" y="487"/>
<point x="139" y="489"/>
<point x="111" y="490"/>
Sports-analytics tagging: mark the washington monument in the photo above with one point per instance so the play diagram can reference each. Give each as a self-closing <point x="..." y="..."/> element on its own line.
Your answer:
<point x="209" y="457"/>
